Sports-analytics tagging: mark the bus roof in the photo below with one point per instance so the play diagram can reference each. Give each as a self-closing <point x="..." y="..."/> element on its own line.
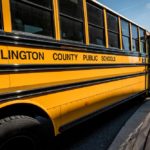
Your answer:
<point x="104" y="6"/>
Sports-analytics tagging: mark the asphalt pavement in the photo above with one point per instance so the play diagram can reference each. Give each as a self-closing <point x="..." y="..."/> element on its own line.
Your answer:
<point x="132" y="126"/>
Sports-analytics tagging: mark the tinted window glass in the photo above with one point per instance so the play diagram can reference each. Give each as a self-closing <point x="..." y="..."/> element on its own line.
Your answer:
<point x="71" y="20"/>
<point x="71" y="7"/>
<point x="35" y="20"/>
<point x="113" y="40"/>
<point x="45" y="3"/>
<point x="95" y="15"/>
<point x="134" y="32"/>
<point x="112" y="22"/>
<point x="125" y="35"/>
<point x="71" y="29"/>
<point x="126" y="41"/>
<point x="0" y="18"/>
<point x="143" y="47"/>
<point x="135" y="45"/>
<point x="96" y="36"/>
<point x="125" y="27"/>
<point x="142" y="34"/>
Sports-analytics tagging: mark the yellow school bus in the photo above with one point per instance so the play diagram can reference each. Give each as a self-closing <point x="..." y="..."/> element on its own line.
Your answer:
<point x="61" y="63"/>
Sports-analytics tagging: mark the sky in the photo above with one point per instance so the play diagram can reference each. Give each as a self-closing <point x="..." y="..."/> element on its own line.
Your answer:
<point x="135" y="10"/>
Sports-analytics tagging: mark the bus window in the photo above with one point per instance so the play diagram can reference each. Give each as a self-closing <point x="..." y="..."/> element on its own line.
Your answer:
<point x="125" y="35"/>
<point x="113" y="30"/>
<point x="142" y="41"/>
<point x="135" y="39"/>
<point x="96" y="25"/>
<point x="0" y="16"/>
<point x="34" y="16"/>
<point x="71" y="20"/>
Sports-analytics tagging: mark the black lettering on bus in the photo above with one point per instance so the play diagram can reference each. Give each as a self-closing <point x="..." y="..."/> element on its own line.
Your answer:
<point x="61" y="56"/>
<point x="90" y="58"/>
<point x="14" y="55"/>
<point x="108" y="58"/>
<point x="55" y="56"/>
<point x="22" y="55"/>
<point x="35" y="55"/>
<point x="2" y="55"/>
<point x="29" y="54"/>
<point x="41" y="56"/>
<point x="76" y="56"/>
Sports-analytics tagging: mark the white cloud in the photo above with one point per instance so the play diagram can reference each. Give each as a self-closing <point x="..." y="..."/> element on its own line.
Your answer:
<point x="148" y="5"/>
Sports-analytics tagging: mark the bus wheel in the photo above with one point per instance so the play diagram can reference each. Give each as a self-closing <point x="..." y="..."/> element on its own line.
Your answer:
<point x="21" y="133"/>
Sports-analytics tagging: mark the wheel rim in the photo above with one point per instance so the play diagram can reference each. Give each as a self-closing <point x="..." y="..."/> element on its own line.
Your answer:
<point x="19" y="143"/>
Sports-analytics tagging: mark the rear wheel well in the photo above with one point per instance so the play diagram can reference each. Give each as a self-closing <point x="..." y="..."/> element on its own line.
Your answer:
<point x="29" y="110"/>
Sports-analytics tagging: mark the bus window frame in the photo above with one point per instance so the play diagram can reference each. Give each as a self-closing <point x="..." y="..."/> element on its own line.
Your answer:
<point x="91" y="47"/>
<point x="132" y="38"/>
<point x="116" y="33"/>
<point x="74" y="19"/>
<point x="96" y="26"/>
<point x="142" y="52"/>
<point x="2" y="22"/>
<point x="123" y="35"/>
<point x="28" y="34"/>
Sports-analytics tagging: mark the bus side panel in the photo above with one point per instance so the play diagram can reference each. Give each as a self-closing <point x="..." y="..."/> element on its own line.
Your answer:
<point x="54" y="78"/>
<point x="4" y="77"/>
<point x="68" y="105"/>
<point x="4" y="83"/>
<point x="87" y="100"/>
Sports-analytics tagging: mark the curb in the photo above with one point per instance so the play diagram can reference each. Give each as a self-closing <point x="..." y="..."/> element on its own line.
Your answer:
<point x="131" y="125"/>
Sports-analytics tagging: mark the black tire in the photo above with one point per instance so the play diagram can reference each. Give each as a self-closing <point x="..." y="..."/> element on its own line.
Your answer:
<point x="21" y="133"/>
